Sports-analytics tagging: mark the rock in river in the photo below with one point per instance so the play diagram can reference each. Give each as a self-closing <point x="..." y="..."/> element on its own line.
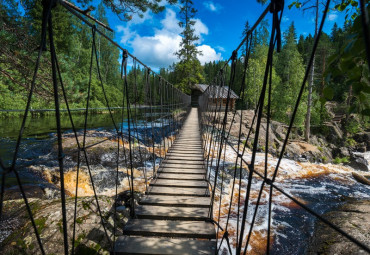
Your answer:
<point x="354" y="219"/>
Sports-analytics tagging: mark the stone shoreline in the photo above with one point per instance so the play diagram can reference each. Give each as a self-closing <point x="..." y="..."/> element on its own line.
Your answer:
<point x="353" y="218"/>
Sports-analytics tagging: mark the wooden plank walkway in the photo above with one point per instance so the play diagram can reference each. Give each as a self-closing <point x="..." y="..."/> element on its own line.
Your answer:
<point x="172" y="217"/>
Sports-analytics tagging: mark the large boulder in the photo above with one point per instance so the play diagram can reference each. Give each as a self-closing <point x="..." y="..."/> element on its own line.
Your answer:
<point x="18" y="236"/>
<point x="363" y="138"/>
<point x="359" y="161"/>
<point x="354" y="219"/>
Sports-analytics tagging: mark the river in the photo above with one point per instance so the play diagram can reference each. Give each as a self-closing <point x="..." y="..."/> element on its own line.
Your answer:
<point x="322" y="187"/>
<point x="39" y="136"/>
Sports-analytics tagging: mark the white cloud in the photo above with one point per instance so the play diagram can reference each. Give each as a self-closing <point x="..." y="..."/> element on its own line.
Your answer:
<point x="211" y="6"/>
<point x="284" y="19"/>
<point x="136" y="19"/>
<point x="199" y="29"/>
<point x="127" y="34"/>
<point x="332" y="16"/>
<point x="208" y="54"/>
<point x="170" y="23"/>
<point x="220" y="48"/>
<point x="158" y="50"/>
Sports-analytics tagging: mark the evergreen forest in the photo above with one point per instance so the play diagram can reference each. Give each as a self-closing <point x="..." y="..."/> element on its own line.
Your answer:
<point x="341" y="77"/>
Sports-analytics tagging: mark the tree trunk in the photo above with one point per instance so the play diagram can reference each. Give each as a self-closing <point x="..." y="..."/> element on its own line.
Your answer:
<point x="322" y="86"/>
<point x="307" y="132"/>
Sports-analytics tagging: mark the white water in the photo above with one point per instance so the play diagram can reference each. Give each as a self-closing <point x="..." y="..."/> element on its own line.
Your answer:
<point x="321" y="187"/>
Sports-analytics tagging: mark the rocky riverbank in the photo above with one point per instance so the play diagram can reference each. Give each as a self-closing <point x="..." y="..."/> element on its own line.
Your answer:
<point x="324" y="147"/>
<point x="17" y="235"/>
<point x="354" y="219"/>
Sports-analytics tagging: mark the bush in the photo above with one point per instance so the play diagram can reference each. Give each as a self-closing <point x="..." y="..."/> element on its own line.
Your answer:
<point x="338" y="160"/>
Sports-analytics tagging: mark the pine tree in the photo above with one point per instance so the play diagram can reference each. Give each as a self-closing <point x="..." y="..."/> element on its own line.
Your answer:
<point x="125" y="9"/>
<point x="289" y="67"/>
<point x="310" y="4"/>
<point x="189" y="69"/>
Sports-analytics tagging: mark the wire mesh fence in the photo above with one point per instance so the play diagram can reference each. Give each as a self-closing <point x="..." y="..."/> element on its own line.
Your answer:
<point x="145" y="114"/>
<point x="246" y="190"/>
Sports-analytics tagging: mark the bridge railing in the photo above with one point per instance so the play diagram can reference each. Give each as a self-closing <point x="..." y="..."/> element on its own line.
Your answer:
<point x="150" y="115"/>
<point x="241" y="206"/>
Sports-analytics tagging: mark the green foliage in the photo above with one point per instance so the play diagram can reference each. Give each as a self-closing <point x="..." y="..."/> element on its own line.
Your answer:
<point x="289" y="67"/>
<point x="350" y="7"/>
<point x="350" y="142"/>
<point x="339" y="160"/>
<point x="353" y="126"/>
<point x="40" y="224"/>
<point x="296" y="4"/>
<point x="324" y="159"/>
<point x="350" y="66"/>
<point x="189" y="74"/>
<point x="124" y="9"/>
<point x="73" y="41"/>
<point x="188" y="70"/>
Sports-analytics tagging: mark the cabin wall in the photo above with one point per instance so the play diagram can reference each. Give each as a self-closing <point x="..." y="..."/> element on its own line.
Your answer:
<point x="213" y="103"/>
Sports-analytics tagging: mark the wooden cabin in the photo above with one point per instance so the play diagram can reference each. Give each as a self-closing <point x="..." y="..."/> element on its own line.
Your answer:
<point x="217" y="96"/>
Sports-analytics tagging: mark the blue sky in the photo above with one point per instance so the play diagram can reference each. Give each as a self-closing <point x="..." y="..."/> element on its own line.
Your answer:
<point x="219" y="24"/>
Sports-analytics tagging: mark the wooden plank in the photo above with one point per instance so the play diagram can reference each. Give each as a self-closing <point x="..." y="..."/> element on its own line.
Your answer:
<point x="183" y="166"/>
<point x="150" y="245"/>
<point x="178" y="170"/>
<point x="167" y="191"/>
<point x="188" y="139"/>
<point x="171" y="176"/>
<point x="189" y="132"/>
<point x="188" y="148"/>
<point x="171" y="213"/>
<point x="183" y="201"/>
<point x="184" y="158"/>
<point x="181" y="153"/>
<point x="183" y="162"/>
<point x="186" y="152"/>
<point x="179" y="183"/>
<point x="170" y="228"/>
<point x="197" y="151"/>
<point x="188" y="145"/>
<point x="185" y="145"/>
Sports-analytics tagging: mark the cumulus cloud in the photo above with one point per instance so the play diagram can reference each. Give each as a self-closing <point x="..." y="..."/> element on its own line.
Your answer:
<point x="208" y="54"/>
<point x="170" y="23"/>
<point x="220" y="48"/>
<point x="158" y="50"/>
<point x="212" y="6"/>
<point x="127" y="34"/>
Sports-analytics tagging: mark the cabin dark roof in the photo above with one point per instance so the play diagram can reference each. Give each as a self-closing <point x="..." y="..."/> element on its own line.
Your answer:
<point x="216" y="91"/>
<point x="220" y="92"/>
<point x="201" y="87"/>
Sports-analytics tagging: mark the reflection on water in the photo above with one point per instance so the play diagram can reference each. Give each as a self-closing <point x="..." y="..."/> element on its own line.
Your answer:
<point x="40" y="135"/>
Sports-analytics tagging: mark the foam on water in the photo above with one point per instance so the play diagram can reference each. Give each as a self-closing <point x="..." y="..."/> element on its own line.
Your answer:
<point x="321" y="187"/>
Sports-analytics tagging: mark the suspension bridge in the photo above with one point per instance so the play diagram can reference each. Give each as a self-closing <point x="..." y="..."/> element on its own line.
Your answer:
<point x="177" y="203"/>
<point x="183" y="210"/>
